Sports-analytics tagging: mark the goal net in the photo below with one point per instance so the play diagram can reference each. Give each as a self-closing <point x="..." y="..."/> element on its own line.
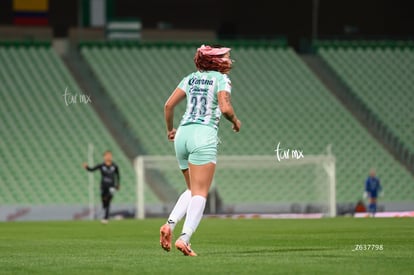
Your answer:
<point x="247" y="184"/>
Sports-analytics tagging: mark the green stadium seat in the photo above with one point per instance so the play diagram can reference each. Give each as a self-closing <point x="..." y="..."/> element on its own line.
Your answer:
<point x="46" y="141"/>
<point x="381" y="79"/>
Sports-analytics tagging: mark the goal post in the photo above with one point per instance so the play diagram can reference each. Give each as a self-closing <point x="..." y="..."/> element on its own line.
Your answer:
<point x="91" y="187"/>
<point x="253" y="184"/>
<point x="140" y="198"/>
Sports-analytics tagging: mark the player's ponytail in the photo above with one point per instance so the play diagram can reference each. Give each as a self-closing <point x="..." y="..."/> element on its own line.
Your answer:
<point x="209" y="58"/>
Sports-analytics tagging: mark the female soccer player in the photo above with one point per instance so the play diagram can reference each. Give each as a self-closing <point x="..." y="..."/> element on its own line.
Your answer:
<point x="109" y="182"/>
<point x="208" y="97"/>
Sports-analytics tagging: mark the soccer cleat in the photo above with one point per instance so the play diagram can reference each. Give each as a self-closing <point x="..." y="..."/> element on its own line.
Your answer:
<point x="185" y="248"/>
<point x="165" y="237"/>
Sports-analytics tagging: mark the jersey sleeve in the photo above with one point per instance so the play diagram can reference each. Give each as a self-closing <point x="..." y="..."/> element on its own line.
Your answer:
<point x="183" y="84"/>
<point x="224" y="84"/>
<point x="96" y="167"/>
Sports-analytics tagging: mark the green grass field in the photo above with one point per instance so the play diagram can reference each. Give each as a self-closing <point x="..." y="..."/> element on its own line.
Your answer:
<point x="224" y="246"/>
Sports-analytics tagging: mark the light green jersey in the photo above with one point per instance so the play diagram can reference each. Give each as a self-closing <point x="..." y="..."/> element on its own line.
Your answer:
<point x="201" y="89"/>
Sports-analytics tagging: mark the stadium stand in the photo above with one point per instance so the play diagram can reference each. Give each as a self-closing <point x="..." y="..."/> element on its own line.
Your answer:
<point x="44" y="141"/>
<point x="277" y="98"/>
<point x="380" y="75"/>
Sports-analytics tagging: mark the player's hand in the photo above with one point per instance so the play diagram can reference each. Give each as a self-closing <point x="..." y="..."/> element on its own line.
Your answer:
<point x="236" y="126"/>
<point x="171" y="134"/>
<point x="118" y="187"/>
<point x="365" y="195"/>
<point x="85" y="165"/>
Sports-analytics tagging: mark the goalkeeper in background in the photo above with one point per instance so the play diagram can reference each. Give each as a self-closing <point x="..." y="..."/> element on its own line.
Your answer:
<point x="372" y="190"/>
<point x="109" y="182"/>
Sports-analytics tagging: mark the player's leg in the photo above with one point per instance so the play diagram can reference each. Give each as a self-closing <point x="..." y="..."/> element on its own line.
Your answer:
<point x="106" y="199"/>
<point x="176" y="214"/>
<point x="201" y="177"/>
<point x="181" y="205"/>
<point x="104" y="207"/>
<point x="202" y="164"/>
<point x="373" y="206"/>
<point x="103" y="201"/>
<point x="108" y="205"/>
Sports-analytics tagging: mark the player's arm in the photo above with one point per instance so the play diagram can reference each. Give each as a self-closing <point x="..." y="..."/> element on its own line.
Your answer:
<point x="176" y="97"/>
<point x="91" y="169"/>
<point x="224" y="100"/>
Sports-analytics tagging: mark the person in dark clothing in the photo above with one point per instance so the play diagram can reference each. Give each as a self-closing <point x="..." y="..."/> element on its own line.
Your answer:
<point x="110" y="181"/>
<point x="372" y="191"/>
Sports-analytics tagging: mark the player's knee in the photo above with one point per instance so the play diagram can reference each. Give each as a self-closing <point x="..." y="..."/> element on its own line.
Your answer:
<point x="203" y="194"/>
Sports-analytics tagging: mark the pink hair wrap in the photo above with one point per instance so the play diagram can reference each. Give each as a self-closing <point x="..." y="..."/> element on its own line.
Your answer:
<point x="207" y="50"/>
